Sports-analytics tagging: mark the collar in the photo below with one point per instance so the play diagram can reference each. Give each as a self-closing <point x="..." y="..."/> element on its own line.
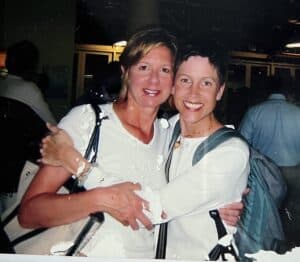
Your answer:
<point x="277" y="96"/>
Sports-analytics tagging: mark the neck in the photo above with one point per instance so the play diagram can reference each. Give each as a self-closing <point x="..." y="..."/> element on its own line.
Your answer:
<point x="199" y="129"/>
<point x="137" y="121"/>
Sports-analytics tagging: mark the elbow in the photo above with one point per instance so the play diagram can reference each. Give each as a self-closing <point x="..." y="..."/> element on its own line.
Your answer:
<point x="25" y="217"/>
<point x="22" y="218"/>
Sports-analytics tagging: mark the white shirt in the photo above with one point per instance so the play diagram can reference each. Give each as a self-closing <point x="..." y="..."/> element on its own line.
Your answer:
<point x="125" y="158"/>
<point x="28" y="93"/>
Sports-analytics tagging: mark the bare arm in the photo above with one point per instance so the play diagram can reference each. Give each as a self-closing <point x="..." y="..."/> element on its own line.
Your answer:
<point x="41" y="206"/>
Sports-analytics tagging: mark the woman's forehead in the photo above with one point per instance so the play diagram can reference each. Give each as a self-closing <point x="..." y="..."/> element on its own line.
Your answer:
<point x="197" y="65"/>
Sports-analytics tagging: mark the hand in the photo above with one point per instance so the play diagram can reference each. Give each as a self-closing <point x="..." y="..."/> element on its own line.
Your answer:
<point x="59" y="136"/>
<point x="126" y="206"/>
<point x="58" y="150"/>
<point x="231" y="213"/>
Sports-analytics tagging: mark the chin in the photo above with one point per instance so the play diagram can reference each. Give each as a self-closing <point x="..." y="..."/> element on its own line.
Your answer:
<point x="190" y="119"/>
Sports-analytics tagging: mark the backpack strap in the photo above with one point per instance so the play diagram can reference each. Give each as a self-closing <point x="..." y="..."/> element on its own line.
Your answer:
<point x="175" y="135"/>
<point x="215" y="139"/>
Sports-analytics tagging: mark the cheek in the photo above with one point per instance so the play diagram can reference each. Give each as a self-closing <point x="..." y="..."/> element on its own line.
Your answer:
<point x="167" y="83"/>
<point x="135" y="81"/>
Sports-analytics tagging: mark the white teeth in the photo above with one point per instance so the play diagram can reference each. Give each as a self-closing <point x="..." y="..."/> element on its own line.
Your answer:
<point x="151" y="92"/>
<point x="193" y="106"/>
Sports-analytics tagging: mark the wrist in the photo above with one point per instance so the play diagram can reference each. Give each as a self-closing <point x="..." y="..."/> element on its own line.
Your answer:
<point x="83" y="170"/>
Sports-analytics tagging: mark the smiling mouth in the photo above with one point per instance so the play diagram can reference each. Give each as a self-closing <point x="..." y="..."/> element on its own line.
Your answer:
<point x="151" y="92"/>
<point x="192" y="105"/>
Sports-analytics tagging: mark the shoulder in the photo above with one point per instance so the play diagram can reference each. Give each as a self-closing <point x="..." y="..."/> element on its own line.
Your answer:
<point x="84" y="113"/>
<point x="77" y="113"/>
<point x="234" y="148"/>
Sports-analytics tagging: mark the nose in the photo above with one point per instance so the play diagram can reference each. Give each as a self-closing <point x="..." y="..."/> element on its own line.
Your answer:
<point x="195" y="90"/>
<point x="154" y="77"/>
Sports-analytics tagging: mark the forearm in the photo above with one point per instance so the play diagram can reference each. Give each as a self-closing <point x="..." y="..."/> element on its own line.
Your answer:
<point x="51" y="209"/>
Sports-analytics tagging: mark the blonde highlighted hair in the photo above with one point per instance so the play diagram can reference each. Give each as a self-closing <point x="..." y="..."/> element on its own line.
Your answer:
<point x="140" y="44"/>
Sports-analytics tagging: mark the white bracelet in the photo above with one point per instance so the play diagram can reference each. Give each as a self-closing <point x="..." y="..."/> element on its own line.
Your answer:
<point x="83" y="175"/>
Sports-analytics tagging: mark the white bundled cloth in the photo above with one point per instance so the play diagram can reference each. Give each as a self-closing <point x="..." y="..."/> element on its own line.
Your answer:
<point x="97" y="177"/>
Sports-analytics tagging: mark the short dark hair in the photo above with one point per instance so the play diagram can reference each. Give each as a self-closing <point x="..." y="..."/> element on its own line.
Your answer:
<point x="217" y="56"/>
<point x="22" y="58"/>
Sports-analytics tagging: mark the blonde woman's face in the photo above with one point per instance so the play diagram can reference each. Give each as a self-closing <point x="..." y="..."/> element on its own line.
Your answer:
<point x="150" y="80"/>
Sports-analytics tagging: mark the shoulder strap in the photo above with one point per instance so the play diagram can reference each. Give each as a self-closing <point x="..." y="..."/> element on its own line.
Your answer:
<point x="163" y="228"/>
<point x="92" y="148"/>
<point x="91" y="151"/>
<point x="175" y="135"/>
<point x="213" y="141"/>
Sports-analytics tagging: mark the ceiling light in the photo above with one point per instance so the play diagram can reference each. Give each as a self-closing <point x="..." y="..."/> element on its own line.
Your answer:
<point x="293" y="45"/>
<point x="294" y="21"/>
<point x="294" y="41"/>
<point x="120" y="43"/>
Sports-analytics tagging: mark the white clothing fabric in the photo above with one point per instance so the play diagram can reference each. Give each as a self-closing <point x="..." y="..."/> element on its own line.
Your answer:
<point x="27" y="92"/>
<point x="218" y="179"/>
<point x="143" y="163"/>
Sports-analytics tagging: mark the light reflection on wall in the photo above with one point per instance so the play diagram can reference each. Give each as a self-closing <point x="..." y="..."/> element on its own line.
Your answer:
<point x="2" y="59"/>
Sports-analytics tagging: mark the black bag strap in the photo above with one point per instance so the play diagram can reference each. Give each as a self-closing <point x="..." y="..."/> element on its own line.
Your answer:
<point x="163" y="228"/>
<point x="90" y="153"/>
<point x="220" y="250"/>
<point x="214" y="214"/>
<point x="72" y="185"/>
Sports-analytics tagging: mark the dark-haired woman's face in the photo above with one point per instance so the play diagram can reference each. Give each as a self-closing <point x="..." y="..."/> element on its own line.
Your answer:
<point x="196" y="89"/>
<point x="150" y="80"/>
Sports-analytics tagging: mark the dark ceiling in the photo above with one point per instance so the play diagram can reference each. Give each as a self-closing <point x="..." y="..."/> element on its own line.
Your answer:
<point x="248" y="25"/>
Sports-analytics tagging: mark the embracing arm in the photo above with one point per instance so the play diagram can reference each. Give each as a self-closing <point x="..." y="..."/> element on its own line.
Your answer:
<point x="41" y="206"/>
<point x="210" y="184"/>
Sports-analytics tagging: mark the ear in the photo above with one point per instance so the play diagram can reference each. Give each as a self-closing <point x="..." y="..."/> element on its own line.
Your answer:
<point x="220" y="92"/>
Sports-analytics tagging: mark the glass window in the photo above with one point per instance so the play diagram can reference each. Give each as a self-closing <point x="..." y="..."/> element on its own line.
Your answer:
<point x="94" y="64"/>
<point x="236" y="76"/>
<point x="258" y="83"/>
<point x="283" y="73"/>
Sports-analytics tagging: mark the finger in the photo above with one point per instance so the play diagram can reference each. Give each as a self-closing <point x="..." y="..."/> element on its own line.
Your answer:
<point x="141" y="203"/>
<point x="136" y="186"/>
<point x="246" y="191"/>
<point x="125" y="223"/>
<point x="45" y="139"/>
<point x="144" y="220"/>
<point x="54" y="129"/>
<point x="231" y="221"/>
<point x="164" y="215"/>
<point x="133" y="224"/>
<point x="234" y="205"/>
<point x="145" y="204"/>
<point x="225" y="212"/>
